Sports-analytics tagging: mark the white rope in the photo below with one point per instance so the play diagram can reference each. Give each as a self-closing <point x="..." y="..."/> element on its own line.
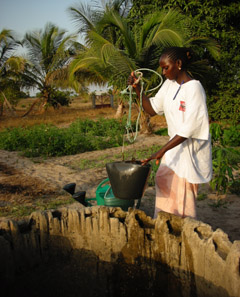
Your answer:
<point x="139" y="75"/>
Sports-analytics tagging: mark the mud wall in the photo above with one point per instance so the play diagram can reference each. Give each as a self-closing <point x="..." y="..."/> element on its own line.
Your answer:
<point x="101" y="251"/>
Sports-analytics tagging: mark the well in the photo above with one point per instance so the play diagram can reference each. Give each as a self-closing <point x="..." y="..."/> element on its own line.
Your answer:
<point x="104" y="251"/>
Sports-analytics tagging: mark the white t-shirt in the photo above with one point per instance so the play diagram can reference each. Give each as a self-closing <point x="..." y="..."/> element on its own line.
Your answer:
<point x="186" y="116"/>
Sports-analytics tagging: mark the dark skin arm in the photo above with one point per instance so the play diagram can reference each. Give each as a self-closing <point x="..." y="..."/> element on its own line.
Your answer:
<point x="145" y="100"/>
<point x="176" y="140"/>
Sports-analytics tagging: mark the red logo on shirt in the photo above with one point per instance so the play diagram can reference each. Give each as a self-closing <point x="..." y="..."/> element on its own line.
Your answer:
<point x="182" y="106"/>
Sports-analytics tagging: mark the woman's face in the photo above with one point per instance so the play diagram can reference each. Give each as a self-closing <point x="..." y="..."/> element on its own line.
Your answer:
<point x="170" y="69"/>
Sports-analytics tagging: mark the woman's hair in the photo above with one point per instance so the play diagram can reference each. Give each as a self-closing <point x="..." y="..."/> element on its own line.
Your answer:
<point x="179" y="53"/>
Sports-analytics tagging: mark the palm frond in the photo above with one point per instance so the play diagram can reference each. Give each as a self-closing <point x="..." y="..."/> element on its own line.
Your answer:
<point x="84" y="17"/>
<point x="204" y="43"/>
<point x="170" y="30"/>
<point x="111" y="18"/>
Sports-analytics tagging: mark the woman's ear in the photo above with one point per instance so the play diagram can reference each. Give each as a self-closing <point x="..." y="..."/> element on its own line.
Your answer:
<point x="179" y="64"/>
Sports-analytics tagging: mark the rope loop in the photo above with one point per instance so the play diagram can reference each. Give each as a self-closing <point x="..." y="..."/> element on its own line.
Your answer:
<point x="128" y="126"/>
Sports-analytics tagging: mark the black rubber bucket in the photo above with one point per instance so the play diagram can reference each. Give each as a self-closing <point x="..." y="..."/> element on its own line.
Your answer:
<point x="70" y="188"/>
<point x="80" y="197"/>
<point x="128" y="179"/>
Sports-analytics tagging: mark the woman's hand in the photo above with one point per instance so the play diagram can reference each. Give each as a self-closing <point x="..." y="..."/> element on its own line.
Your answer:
<point x="176" y="140"/>
<point x="158" y="155"/>
<point x="132" y="80"/>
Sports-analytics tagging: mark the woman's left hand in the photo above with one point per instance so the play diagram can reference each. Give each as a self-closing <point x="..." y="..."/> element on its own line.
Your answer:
<point x="158" y="155"/>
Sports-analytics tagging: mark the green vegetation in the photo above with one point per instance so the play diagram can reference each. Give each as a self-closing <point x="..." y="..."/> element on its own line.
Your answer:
<point x="48" y="140"/>
<point x="201" y="196"/>
<point x="219" y="203"/>
<point x="219" y="20"/>
<point x="162" y="132"/>
<point x="116" y="46"/>
<point x="226" y="159"/>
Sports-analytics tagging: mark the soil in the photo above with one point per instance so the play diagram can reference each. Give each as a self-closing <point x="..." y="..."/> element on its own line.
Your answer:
<point x="36" y="182"/>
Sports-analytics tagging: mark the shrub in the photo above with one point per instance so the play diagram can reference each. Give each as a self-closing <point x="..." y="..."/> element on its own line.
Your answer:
<point x="162" y="132"/>
<point x="231" y="136"/>
<point x="225" y="106"/>
<point x="225" y="159"/>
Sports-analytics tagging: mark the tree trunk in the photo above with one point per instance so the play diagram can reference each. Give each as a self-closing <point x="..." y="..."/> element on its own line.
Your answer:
<point x="8" y="104"/>
<point x="42" y="106"/>
<point x="145" y="124"/>
<point x="1" y="108"/>
<point x="31" y="107"/>
<point x="119" y="112"/>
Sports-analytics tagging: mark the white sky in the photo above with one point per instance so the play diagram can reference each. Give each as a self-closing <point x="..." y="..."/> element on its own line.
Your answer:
<point x="22" y="16"/>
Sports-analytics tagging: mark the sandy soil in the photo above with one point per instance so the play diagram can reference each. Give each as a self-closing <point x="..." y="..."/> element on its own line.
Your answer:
<point x="23" y="180"/>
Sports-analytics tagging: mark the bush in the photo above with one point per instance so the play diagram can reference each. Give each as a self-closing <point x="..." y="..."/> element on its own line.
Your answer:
<point x="224" y="107"/>
<point x="226" y="136"/>
<point x="162" y="132"/>
<point x="231" y="136"/>
<point x="225" y="158"/>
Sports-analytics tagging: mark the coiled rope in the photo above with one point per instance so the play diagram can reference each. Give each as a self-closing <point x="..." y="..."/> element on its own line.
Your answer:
<point x="128" y="90"/>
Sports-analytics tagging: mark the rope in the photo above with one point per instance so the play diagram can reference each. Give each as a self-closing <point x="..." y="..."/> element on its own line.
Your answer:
<point x="128" y="126"/>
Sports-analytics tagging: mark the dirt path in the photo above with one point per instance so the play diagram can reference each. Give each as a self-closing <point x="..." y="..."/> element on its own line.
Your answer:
<point x="48" y="176"/>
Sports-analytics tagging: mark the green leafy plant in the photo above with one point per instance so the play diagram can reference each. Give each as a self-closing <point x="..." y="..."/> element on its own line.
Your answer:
<point x="231" y="136"/>
<point x="216" y="132"/>
<point x="219" y="203"/>
<point x="223" y="169"/>
<point x="48" y="140"/>
<point x="235" y="187"/>
<point x="162" y="132"/>
<point x="201" y="196"/>
<point x="225" y="159"/>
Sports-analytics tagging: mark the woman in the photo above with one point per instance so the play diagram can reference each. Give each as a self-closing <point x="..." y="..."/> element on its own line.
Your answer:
<point x="186" y="158"/>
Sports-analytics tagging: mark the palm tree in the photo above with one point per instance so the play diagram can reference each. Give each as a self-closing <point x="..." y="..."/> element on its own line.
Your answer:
<point x="114" y="49"/>
<point x="49" y="52"/>
<point x="9" y="65"/>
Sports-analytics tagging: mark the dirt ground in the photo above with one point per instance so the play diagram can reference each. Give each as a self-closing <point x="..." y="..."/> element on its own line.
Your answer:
<point x="31" y="182"/>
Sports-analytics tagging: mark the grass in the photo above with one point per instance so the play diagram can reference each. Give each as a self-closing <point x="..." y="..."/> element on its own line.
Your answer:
<point x="61" y="117"/>
<point x="17" y="211"/>
<point x="219" y="203"/>
<point x="201" y="196"/>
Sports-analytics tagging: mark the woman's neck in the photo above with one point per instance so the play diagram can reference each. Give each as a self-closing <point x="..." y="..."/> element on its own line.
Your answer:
<point x="183" y="77"/>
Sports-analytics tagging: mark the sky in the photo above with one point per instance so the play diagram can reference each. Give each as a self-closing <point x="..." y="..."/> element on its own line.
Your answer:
<point x="22" y="16"/>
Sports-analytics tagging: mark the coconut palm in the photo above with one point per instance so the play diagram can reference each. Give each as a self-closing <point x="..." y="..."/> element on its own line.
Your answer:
<point x="87" y="18"/>
<point x="9" y="65"/>
<point x="49" y="52"/>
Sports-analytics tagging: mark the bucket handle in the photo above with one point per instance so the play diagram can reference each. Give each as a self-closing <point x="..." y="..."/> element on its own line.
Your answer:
<point x="106" y="193"/>
<point x="103" y="182"/>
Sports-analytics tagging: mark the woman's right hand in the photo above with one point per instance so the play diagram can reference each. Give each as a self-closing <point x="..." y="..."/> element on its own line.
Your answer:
<point x="132" y="79"/>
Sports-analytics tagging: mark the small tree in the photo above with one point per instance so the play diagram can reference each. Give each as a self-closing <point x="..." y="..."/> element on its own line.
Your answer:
<point x="49" y="52"/>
